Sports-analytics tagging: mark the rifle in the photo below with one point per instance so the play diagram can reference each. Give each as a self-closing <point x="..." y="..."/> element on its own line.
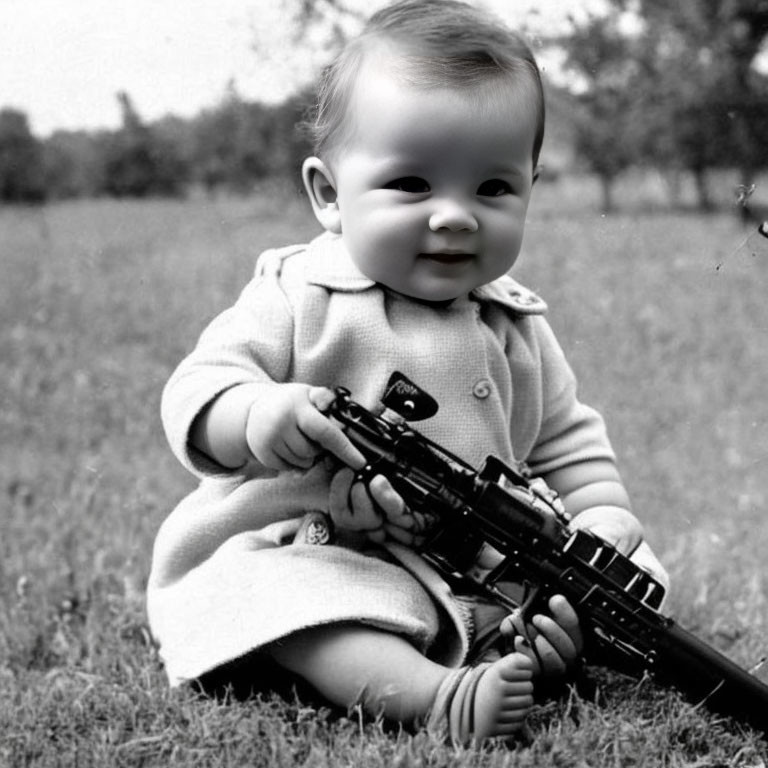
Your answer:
<point x="617" y="601"/>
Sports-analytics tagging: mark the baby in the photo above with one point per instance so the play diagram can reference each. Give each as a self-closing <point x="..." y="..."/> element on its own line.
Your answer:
<point x="428" y="132"/>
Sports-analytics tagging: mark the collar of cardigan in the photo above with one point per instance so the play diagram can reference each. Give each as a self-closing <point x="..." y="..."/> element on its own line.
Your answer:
<point x="330" y="266"/>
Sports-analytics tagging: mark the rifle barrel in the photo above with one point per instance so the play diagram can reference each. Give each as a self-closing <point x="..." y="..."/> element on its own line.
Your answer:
<point x="710" y="678"/>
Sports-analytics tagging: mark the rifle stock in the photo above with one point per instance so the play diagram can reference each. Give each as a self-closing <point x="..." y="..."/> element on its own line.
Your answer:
<point x="617" y="602"/>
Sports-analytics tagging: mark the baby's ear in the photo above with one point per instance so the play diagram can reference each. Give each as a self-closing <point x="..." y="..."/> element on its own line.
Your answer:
<point x="321" y="189"/>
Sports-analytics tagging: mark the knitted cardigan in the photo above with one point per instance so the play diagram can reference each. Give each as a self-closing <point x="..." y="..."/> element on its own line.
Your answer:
<point x="224" y="580"/>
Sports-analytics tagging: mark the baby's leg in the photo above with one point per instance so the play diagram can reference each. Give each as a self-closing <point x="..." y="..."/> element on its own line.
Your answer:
<point x="351" y="663"/>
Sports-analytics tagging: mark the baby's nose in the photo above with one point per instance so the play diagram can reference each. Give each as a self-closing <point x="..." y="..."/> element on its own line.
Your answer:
<point x="452" y="215"/>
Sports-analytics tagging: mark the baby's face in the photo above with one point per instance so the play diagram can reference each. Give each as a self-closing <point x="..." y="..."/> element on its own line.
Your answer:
<point x="433" y="184"/>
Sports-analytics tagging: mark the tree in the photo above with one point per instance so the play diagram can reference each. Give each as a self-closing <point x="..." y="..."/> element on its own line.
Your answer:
<point x="333" y="15"/>
<point x="715" y="44"/>
<point x="22" y="178"/>
<point x="606" y="78"/>
<point x="289" y="140"/>
<point x="675" y="87"/>
<point x="73" y="164"/>
<point x="239" y="142"/>
<point x="138" y="162"/>
<point x="230" y="144"/>
<point x="700" y="59"/>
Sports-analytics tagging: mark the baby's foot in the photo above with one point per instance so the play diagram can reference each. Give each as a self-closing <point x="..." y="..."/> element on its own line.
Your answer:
<point x="490" y="699"/>
<point x="503" y="697"/>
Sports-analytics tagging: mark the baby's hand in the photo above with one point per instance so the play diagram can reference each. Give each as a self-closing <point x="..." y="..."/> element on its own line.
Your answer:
<point x="615" y="525"/>
<point x="375" y="508"/>
<point x="557" y="638"/>
<point x="287" y="430"/>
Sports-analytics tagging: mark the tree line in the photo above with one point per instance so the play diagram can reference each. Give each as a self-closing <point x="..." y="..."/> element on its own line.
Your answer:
<point x="228" y="147"/>
<point x="678" y="91"/>
<point x="671" y="86"/>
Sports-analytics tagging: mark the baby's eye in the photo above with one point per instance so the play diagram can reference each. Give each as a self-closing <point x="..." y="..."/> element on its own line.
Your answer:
<point x="494" y="188"/>
<point x="412" y="184"/>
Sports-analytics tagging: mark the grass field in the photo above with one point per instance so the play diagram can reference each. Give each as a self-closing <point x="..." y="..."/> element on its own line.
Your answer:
<point x="663" y="320"/>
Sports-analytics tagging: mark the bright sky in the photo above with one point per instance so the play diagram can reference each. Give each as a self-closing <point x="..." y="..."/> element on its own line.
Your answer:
<point x="63" y="61"/>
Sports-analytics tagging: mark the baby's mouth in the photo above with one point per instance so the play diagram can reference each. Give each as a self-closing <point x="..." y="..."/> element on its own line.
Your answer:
<point x="448" y="257"/>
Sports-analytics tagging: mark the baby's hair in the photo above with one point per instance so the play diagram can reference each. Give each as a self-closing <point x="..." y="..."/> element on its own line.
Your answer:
<point x="446" y="42"/>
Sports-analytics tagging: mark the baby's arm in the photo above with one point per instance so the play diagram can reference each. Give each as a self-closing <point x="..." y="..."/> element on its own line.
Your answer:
<point x="281" y="430"/>
<point x="286" y="430"/>
<point x="594" y="496"/>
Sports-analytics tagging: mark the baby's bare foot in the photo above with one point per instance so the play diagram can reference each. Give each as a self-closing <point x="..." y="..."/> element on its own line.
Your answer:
<point x="504" y="696"/>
